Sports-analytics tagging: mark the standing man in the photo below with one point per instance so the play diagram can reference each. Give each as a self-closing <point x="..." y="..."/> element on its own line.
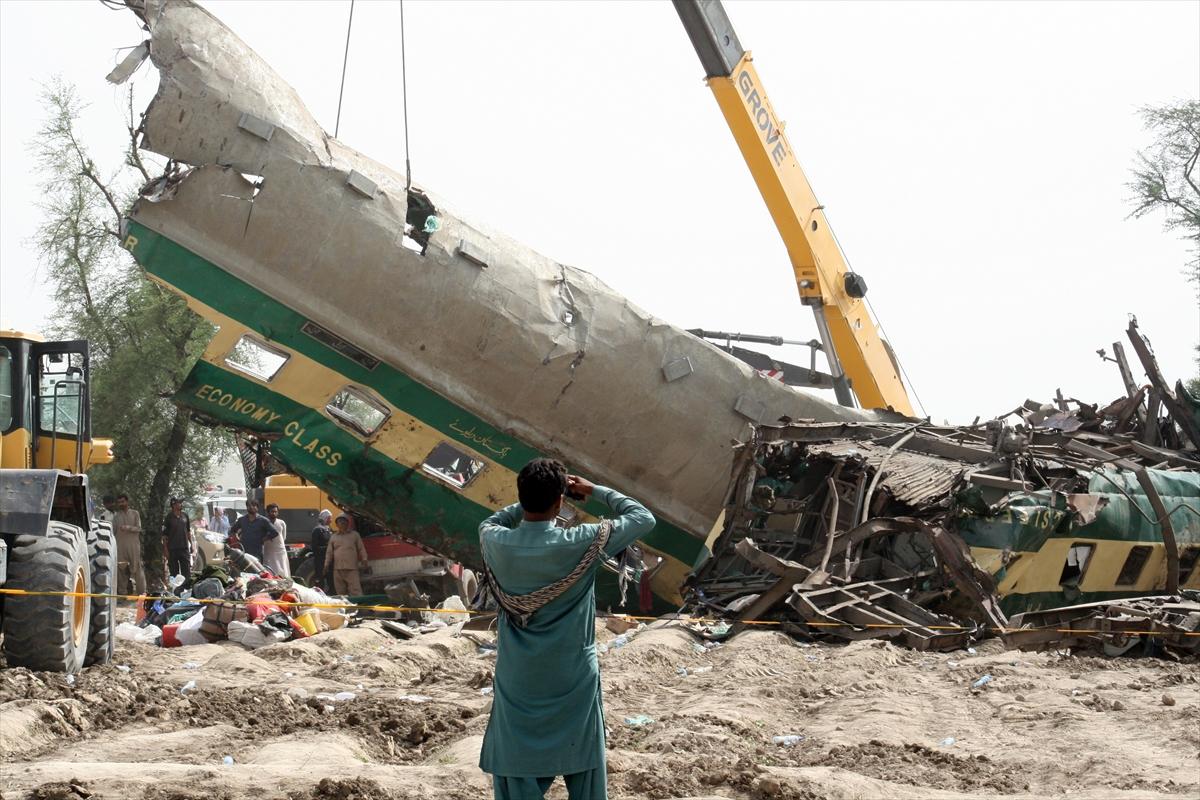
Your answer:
<point x="178" y="541"/>
<point x="218" y="522"/>
<point x="548" y="717"/>
<point x="346" y="556"/>
<point x="127" y="525"/>
<point x="252" y="530"/>
<point x="319" y="543"/>
<point x="275" y="555"/>
<point x="106" y="513"/>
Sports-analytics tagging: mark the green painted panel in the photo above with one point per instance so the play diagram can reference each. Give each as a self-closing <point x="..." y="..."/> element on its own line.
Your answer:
<point x="314" y="446"/>
<point x="1029" y="519"/>
<point x="235" y="298"/>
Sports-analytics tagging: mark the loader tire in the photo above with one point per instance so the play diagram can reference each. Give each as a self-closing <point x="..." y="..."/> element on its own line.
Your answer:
<point x="102" y="553"/>
<point x="48" y="632"/>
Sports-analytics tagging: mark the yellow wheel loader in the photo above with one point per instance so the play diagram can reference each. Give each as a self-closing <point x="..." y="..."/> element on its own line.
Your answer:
<point x="54" y="551"/>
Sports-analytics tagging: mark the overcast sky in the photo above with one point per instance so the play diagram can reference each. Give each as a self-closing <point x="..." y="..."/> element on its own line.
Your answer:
<point x="972" y="158"/>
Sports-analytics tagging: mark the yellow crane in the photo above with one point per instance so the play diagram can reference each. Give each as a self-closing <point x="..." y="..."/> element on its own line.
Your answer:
<point x="859" y="358"/>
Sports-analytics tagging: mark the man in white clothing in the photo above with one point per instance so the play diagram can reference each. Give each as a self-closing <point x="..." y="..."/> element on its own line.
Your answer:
<point x="275" y="549"/>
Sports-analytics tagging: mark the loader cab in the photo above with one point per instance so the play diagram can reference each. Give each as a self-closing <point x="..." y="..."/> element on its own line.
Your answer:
<point x="45" y="410"/>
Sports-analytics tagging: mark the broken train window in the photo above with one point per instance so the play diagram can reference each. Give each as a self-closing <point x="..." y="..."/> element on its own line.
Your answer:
<point x="1135" y="562"/>
<point x="357" y="410"/>
<point x="1079" y="555"/>
<point x="256" y="358"/>
<point x="420" y="222"/>
<point x="448" y="463"/>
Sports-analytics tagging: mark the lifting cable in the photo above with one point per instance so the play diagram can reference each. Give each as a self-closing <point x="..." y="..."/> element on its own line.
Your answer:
<point x="403" y="88"/>
<point x="345" y="59"/>
<point x="404" y="98"/>
<point x="878" y="320"/>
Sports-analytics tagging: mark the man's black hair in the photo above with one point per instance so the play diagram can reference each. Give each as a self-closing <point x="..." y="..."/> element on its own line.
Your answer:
<point x="252" y="503"/>
<point x="108" y="498"/>
<point x="122" y="496"/>
<point x="272" y="505"/>
<point x="540" y="484"/>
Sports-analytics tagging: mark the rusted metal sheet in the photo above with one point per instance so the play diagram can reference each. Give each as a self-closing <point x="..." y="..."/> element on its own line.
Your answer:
<point x="912" y="478"/>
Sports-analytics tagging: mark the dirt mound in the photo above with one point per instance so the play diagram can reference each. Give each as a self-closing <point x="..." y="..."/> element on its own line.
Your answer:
<point x="668" y="776"/>
<point x="190" y="793"/>
<point x="393" y="731"/>
<point x="350" y="789"/>
<point x="917" y="765"/>
<point x="73" y="789"/>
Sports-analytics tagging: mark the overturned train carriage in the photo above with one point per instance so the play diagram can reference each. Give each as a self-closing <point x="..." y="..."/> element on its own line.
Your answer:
<point x="853" y="524"/>
<point x="405" y="361"/>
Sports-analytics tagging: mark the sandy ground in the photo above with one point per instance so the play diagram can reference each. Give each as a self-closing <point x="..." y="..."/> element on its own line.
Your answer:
<point x="876" y="721"/>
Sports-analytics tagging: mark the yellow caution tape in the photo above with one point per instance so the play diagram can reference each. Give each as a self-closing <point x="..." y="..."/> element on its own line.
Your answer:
<point x="631" y="617"/>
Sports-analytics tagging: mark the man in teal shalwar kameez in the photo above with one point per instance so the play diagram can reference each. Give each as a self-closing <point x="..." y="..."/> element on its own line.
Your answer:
<point x="547" y="716"/>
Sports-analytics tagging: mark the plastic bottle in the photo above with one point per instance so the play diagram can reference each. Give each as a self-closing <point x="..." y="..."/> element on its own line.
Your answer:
<point x="948" y="741"/>
<point x="789" y="740"/>
<point x="227" y="761"/>
<point x="620" y="641"/>
<point x="188" y="687"/>
<point x="983" y="681"/>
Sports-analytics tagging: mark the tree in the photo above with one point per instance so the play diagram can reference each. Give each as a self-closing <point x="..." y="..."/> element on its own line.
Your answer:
<point x="143" y="339"/>
<point x="1166" y="179"/>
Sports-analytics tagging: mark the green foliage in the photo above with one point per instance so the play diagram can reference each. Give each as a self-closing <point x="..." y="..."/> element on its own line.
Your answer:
<point x="143" y="339"/>
<point x="1166" y="179"/>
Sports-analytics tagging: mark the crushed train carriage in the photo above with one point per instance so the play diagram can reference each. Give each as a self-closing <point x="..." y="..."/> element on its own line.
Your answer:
<point x="407" y="362"/>
<point x="938" y="534"/>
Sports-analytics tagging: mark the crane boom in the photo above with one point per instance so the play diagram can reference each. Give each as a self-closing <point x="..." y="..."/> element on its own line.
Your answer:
<point x="858" y="357"/>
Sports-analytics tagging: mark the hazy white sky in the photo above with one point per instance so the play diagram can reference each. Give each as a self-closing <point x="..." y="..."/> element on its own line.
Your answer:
<point x="972" y="158"/>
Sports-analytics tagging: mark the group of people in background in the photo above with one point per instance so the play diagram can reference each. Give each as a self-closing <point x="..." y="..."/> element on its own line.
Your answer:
<point x="338" y="552"/>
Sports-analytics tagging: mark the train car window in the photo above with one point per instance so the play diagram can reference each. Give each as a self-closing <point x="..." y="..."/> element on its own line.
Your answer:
<point x="1135" y="562"/>
<point x="6" y="389"/>
<point x="449" y="464"/>
<point x="1187" y="562"/>
<point x="256" y="358"/>
<point x="1078" y="557"/>
<point x="356" y="409"/>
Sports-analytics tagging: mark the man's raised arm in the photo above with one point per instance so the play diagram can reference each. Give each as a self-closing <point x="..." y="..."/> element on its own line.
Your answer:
<point x="506" y="518"/>
<point x="633" y="520"/>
